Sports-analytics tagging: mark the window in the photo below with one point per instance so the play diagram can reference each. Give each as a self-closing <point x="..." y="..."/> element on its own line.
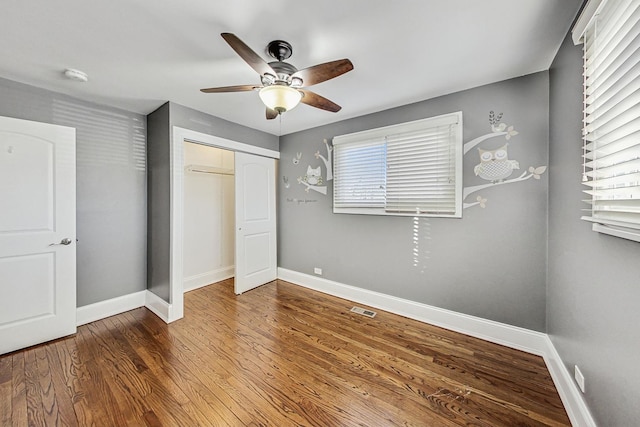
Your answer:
<point x="610" y="31"/>
<point x="411" y="169"/>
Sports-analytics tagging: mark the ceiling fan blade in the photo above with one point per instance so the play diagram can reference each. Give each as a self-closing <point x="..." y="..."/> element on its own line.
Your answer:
<point x="315" y="100"/>
<point x="323" y="72"/>
<point x="271" y="114"/>
<point x="246" y="53"/>
<point x="239" y="88"/>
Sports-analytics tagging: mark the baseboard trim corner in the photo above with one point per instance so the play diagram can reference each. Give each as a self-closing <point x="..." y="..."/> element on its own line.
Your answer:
<point x="111" y="307"/>
<point x="103" y="309"/>
<point x="165" y="311"/>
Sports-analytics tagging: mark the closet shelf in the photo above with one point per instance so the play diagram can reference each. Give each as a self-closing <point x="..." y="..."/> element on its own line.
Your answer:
<point x="208" y="169"/>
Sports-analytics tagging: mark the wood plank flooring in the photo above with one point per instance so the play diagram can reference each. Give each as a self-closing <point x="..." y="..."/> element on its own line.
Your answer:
<point x="279" y="355"/>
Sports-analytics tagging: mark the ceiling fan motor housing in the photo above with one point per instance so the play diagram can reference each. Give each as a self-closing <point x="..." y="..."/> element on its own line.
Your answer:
<point x="284" y="71"/>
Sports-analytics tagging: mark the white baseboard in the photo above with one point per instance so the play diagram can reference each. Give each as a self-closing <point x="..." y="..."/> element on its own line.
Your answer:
<point x="157" y="305"/>
<point x="533" y="342"/>
<point x="569" y="392"/>
<point x="103" y="309"/>
<point x="200" y="280"/>
<point x="165" y="311"/>
<point x="100" y="310"/>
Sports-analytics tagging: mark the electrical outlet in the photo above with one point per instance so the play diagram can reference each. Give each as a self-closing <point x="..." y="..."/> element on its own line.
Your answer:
<point x="317" y="270"/>
<point x="579" y="378"/>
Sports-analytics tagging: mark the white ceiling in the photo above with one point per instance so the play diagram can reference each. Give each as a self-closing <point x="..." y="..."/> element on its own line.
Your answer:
<point x="141" y="53"/>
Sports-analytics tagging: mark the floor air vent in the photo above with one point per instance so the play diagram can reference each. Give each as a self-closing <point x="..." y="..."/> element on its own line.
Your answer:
<point x="364" y="312"/>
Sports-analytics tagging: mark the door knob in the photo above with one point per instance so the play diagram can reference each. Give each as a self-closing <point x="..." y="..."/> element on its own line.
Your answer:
<point x="66" y="241"/>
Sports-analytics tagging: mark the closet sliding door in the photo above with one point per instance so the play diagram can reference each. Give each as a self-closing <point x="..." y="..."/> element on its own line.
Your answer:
<point x="256" y="261"/>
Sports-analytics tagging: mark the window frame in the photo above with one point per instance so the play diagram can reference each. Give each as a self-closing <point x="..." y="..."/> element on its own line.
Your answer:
<point x="454" y="119"/>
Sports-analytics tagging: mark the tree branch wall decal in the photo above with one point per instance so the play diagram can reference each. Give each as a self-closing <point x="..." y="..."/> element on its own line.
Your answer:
<point x="326" y="160"/>
<point x="313" y="178"/>
<point x="495" y="166"/>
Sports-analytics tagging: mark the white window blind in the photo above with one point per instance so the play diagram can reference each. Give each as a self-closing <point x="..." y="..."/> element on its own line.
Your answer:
<point x="414" y="168"/>
<point x="361" y="167"/>
<point x="612" y="117"/>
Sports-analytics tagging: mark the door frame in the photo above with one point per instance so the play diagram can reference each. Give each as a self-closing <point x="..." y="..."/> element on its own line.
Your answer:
<point x="176" y="200"/>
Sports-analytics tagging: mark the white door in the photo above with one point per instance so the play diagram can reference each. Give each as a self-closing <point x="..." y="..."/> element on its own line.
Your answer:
<point x="256" y="261"/>
<point x="37" y="233"/>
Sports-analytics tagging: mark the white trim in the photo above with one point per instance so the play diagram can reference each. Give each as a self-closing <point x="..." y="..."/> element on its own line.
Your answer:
<point x="533" y="342"/>
<point x="178" y="137"/>
<point x="111" y="307"/>
<point x="200" y="280"/>
<point x="571" y="396"/>
<point x="587" y="14"/>
<point x="165" y="311"/>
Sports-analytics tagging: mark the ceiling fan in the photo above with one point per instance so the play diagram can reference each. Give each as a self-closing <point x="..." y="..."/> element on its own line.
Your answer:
<point x="282" y="85"/>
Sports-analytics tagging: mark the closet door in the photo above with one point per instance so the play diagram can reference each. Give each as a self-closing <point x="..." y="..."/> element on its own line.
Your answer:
<point x="256" y="260"/>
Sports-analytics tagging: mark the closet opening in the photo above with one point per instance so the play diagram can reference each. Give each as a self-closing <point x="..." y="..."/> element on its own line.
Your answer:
<point x="209" y="215"/>
<point x="247" y="229"/>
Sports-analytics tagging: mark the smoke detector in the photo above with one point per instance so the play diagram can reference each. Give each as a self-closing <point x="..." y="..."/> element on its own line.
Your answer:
<point x="76" y="75"/>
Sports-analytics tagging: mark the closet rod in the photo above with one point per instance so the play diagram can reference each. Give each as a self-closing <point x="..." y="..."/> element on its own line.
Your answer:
<point x="215" y="173"/>
<point x="205" y="169"/>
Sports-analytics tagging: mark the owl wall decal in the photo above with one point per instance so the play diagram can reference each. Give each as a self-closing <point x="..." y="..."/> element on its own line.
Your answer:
<point x="495" y="165"/>
<point x="313" y="176"/>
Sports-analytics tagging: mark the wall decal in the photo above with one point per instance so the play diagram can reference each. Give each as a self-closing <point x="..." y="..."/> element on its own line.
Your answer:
<point x="313" y="176"/>
<point x="296" y="159"/>
<point x="480" y="201"/>
<point x="313" y="179"/>
<point x="327" y="160"/>
<point x="286" y="182"/>
<point x="301" y="201"/>
<point x="495" y="165"/>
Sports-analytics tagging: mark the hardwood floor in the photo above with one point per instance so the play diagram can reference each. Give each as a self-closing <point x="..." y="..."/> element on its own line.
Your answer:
<point x="279" y="355"/>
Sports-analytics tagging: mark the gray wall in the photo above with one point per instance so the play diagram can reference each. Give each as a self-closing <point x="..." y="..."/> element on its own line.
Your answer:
<point x="593" y="290"/>
<point x="490" y="264"/>
<point x="158" y="201"/>
<point x="160" y="135"/>
<point x="111" y="187"/>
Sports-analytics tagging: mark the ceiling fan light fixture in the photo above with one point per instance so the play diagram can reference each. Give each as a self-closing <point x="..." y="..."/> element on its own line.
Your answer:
<point x="280" y="98"/>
